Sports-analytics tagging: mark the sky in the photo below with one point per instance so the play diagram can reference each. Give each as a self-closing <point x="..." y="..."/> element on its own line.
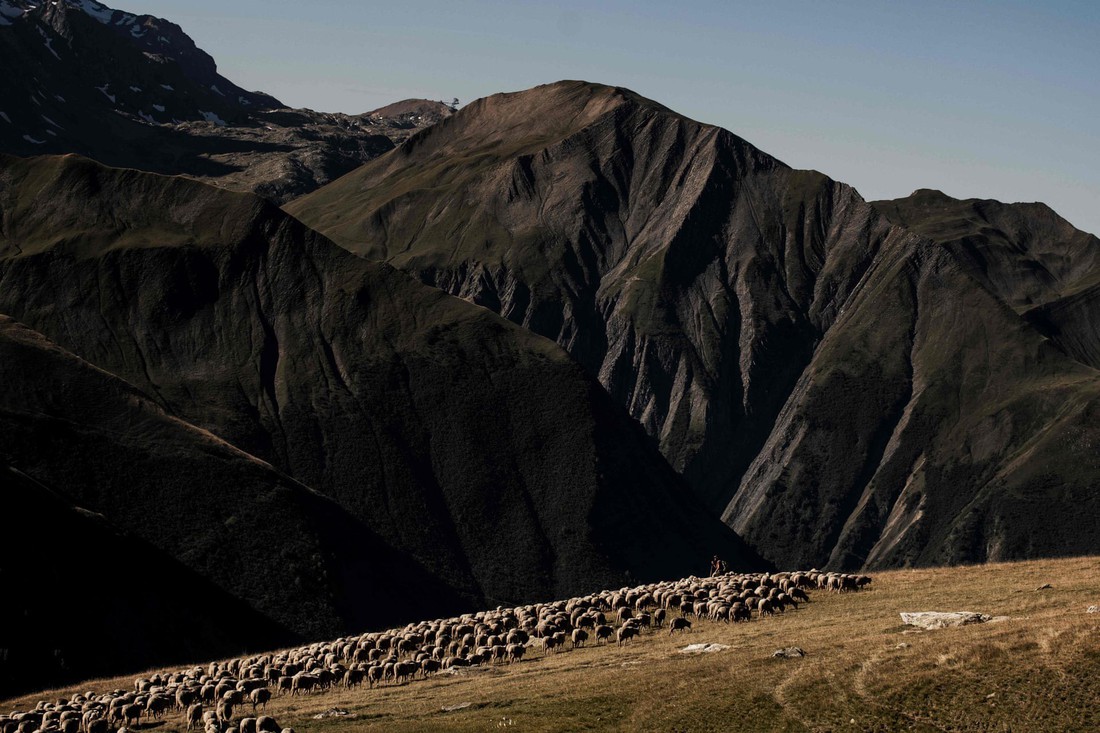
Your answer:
<point x="977" y="99"/>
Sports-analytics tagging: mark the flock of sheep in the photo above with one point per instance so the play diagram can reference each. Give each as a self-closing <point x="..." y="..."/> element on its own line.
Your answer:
<point x="232" y="695"/>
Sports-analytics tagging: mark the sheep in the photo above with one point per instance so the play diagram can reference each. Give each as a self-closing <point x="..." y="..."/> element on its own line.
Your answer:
<point x="304" y="683"/>
<point x="194" y="716"/>
<point x="604" y="633"/>
<point x="158" y="705"/>
<point x="374" y="675"/>
<point x="405" y="670"/>
<point x="132" y="713"/>
<point x="267" y="724"/>
<point x="260" y="696"/>
<point x="87" y="718"/>
<point x="625" y="633"/>
<point x="185" y="696"/>
<point x="551" y="642"/>
<point x="247" y="725"/>
<point x="579" y="637"/>
<point x="678" y="624"/>
<point x="352" y="678"/>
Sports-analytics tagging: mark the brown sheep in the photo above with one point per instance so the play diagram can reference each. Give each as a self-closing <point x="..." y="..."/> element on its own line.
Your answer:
<point x="516" y="652"/>
<point x="579" y="637"/>
<point x="678" y="624"/>
<point x="194" y="716"/>
<point x="131" y="714"/>
<point x="626" y="633"/>
<point x="266" y="724"/>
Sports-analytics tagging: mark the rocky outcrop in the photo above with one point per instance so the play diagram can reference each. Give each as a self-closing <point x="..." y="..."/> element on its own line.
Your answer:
<point x="944" y="619"/>
<point x="843" y="390"/>
<point x="476" y="448"/>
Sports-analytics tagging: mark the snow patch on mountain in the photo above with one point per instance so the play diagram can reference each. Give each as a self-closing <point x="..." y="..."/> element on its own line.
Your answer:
<point x="213" y="117"/>
<point x="30" y="139"/>
<point x="104" y="90"/>
<point x="4" y="115"/>
<point x="96" y="10"/>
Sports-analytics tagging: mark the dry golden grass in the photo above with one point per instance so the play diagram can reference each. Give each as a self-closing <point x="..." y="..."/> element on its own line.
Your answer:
<point x="864" y="671"/>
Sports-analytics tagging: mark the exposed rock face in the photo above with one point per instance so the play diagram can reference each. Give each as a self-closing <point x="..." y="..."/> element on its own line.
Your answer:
<point x="480" y="451"/>
<point x="843" y="390"/>
<point x="134" y="90"/>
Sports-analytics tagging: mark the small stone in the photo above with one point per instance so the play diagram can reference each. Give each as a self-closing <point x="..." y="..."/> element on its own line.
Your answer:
<point x="1093" y="609"/>
<point x="791" y="652"/>
<point x="1044" y="586"/>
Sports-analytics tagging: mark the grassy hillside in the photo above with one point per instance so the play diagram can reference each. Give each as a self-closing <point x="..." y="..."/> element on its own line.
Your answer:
<point x="863" y="669"/>
<point x="474" y="449"/>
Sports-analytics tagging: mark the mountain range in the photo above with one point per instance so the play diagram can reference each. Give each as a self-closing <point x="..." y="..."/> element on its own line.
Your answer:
<point x="554" y="341"/>
<point x="91" y="77"/>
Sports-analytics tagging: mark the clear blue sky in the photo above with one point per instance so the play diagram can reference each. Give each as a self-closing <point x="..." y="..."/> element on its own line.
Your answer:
<point x="987" y="99"/>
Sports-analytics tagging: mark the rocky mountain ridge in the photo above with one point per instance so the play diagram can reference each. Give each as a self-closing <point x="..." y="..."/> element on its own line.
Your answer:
<point x="91" y="77"/>
<point x="786" y="344"/>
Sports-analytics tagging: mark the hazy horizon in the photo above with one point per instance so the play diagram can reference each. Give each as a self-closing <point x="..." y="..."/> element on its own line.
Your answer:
<point x="986" y="100"/>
